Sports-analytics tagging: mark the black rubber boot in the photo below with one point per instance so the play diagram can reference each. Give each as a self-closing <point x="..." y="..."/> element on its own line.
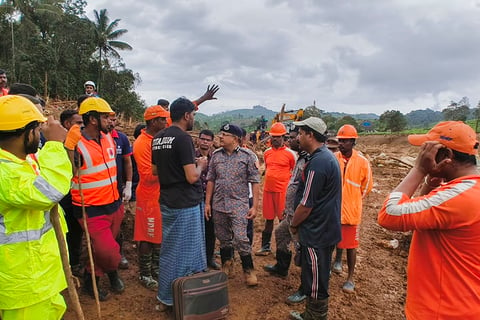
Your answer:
<point x="155" y="263"/>
<point x="315" y="310"/>
<point x="145" y="267"/>
<point x="282" y="265"/>
<point x="116" y="284"/>
<point x="265" y="250"/>
<point x="88" y="287"/>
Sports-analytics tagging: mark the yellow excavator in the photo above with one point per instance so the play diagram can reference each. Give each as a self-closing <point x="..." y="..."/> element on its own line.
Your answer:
<point x="287" y="117"/>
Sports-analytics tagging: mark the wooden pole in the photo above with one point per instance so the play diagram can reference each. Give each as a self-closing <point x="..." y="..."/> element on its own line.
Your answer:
<point x="72" y="291"/>
<point x="89" y="247"/>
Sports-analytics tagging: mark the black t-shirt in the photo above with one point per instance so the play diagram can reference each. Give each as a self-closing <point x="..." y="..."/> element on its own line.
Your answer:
<point x="321" y="190"/>
<point x="173" y="148"/>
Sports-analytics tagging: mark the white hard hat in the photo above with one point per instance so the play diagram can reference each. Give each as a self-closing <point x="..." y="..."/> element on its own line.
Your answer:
<point x="89" y="83"/>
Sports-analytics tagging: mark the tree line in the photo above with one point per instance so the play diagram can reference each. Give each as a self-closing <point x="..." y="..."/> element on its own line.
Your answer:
<point x="53" y="46"/>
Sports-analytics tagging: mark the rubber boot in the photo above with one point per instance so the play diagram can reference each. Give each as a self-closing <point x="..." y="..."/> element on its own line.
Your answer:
<point x="88" y="287"/>
<point x="155" y="270"/>
<point x="265" y="250"/>
<point x="249" y="271"/>
<point x="226" y="254"/>
<point x="145" y="266"/>
<point x="116" y="284"/>
<point x="315" y="310"/>
<point x="282" y="265"/>
<point x="123" y="261"/>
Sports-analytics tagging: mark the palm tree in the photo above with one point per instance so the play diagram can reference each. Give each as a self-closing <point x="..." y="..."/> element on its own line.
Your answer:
<point x="105" y="38"/>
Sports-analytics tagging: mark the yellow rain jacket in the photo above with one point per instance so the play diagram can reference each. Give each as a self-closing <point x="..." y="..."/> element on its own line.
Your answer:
<point x="30" y="265"/>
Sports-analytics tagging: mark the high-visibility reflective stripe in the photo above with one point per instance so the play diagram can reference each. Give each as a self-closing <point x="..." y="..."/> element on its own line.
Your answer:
<point x="86" y="155"/>
<point x="47" y="189"/>
<point x="26" y="235"/>
<point x="5" y="160"/>
<point x="95" y="184"/>
<point x="99" y="168"/>
<point x="352" y="183"/>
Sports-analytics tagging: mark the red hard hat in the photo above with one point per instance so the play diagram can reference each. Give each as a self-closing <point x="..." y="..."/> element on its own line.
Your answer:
<point x="278" y="129"/>
<point x="347" y="131"/>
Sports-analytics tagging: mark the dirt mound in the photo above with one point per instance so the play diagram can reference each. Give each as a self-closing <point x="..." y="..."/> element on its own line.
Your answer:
<point x="379" y="276"/>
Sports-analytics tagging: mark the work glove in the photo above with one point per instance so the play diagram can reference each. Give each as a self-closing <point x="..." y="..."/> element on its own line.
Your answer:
<point x="127" y="191"/>
<point x="73" y="136"/>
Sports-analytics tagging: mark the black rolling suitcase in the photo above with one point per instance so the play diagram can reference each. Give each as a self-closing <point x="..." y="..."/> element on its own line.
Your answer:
<point x="202" y="296"/>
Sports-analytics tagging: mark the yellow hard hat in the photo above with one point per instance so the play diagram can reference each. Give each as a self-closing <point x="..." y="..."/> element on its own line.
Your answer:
<point x="16" y="112"/>
<point x="94" y="104"/>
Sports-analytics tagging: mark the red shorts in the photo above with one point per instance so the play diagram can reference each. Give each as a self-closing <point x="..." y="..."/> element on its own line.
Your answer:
<point x="148" y="221"/>
<point x="350" y="237"/>
<point x="273" y="205"/>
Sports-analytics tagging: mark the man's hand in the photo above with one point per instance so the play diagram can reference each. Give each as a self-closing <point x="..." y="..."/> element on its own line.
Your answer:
<point x="252" y="213"/>
<point x="426" y="161"/>
<point x="53" y="130"/>
<point x="208" y="211"/>
<point x="209" y="94"/>
<point x="73" y="136"/>
<point x="202" y="162"/>
<point x="127" y="191"/>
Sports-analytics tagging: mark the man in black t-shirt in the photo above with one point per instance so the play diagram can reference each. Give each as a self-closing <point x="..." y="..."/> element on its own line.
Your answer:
<point x="316" y="217"/>
<point x="173" y="158"/>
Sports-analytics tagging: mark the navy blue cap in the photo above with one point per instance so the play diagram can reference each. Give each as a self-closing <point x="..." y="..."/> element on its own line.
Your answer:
<point x="233" y="129"/>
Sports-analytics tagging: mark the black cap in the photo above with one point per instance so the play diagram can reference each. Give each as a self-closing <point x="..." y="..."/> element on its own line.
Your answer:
<point x="233" y="129"/>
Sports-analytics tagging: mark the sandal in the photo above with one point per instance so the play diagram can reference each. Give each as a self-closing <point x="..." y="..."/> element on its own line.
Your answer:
<point x="348" y="287"/>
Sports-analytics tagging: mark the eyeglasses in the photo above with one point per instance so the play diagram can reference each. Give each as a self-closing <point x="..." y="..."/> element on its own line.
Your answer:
<point x="226" y="134"/>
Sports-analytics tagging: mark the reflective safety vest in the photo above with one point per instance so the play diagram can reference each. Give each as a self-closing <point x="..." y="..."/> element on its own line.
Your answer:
<point x="30" y="265"/>
<point x="97" y="177"/>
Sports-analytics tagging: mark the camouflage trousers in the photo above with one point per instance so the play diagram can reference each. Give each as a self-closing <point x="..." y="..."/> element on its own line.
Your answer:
<point x="231" y="231"/>
<point x="283" y="238"/>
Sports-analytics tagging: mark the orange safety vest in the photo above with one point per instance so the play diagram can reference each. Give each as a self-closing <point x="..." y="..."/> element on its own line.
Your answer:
<point x="98" y="173"/>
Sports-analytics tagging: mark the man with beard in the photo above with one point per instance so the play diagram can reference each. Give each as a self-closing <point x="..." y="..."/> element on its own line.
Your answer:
<point x="3" y="83"/>
<point x="148" y="219"/>
<point x="279" y="164"/>
<point x="173" y="156"/>
<point x="205" y="143"/>
<point x="31" y="273"/>
<point x="124" y="175"/>
<point x="316" y="219"/>
<point x="357" y="182"/>
<point x="444" y="260"/>
<point x="95" y="174"/>
<point x="282" y="233"/>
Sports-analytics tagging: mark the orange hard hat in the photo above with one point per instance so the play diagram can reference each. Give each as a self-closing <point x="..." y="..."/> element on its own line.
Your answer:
<point x="347" y="131"/>
<point x="278" y="129"/>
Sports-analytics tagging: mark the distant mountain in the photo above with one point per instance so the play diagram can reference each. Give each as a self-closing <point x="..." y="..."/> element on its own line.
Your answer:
<point x="358" y="116"/>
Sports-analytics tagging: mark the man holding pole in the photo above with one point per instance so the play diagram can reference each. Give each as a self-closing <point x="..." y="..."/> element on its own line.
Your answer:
<point x="31" y="275"/>
<point x="95" y="193"/>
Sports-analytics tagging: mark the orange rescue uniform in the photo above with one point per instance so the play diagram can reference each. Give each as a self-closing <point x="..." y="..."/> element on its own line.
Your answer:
<point x="444" y="261"/>
<point x="357" y="182"/>
<point x="148" y="219"/>
<point x="279" y="164"/>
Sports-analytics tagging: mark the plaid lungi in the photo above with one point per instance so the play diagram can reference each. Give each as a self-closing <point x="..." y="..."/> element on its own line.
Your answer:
<point x="183" y="247"/>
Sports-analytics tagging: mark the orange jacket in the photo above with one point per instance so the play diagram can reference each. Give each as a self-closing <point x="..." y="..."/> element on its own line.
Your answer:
<point x="443" y="276"/>
<point x="4" y="92"/>
<point x="98" y="173"/>
<point x="279" y="164"/>
<point x="357" y="182"/>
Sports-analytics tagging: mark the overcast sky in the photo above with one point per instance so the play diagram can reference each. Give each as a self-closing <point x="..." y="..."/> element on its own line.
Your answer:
<point x="347" y="56"/>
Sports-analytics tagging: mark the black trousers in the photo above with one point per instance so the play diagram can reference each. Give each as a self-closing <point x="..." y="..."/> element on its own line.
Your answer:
<point x="315" y="266"/>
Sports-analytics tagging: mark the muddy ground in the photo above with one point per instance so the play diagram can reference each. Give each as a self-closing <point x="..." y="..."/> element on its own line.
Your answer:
<point x="380" y="275"/>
